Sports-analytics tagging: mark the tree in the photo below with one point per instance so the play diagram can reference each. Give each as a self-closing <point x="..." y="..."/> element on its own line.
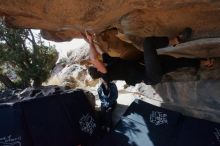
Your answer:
<point x="26" y="55"/>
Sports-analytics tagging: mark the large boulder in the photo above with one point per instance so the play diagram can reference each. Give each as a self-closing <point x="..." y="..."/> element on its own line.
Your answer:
<point x="63" y="20"/>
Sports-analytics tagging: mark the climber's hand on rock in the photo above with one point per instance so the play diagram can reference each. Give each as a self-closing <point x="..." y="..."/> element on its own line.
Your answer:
<point x="84" y="37"/>
<point x="89" y="36"/>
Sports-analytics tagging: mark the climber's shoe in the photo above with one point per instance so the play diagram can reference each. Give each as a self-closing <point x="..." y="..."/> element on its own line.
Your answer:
<point x="185" y="35"/>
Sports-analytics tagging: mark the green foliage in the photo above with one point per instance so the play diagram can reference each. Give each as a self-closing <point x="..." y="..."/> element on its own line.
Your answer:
<point x="30" y="59"/>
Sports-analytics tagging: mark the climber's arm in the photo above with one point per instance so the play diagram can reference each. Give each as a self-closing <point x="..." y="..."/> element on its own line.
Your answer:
<point x="94" y="53"/>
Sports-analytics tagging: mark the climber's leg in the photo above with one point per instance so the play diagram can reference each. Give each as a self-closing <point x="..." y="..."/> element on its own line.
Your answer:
<point x="169" y="63"/>
<point x="153" y="71"/>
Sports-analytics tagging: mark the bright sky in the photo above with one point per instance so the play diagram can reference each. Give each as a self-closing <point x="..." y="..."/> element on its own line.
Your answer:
<point x="64" y="47"/>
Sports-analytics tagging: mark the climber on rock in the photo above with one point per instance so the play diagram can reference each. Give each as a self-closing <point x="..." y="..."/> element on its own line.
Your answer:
<point x="150" y="71"/>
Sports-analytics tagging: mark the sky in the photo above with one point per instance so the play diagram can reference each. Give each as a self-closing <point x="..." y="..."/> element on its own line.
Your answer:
<point x="63" y="47"/>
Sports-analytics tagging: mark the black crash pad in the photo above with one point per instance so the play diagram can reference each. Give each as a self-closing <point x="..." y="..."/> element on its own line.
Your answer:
<point x="145" y="124"/>
<point x="13" y="131"/>
<point x="56" y="120"/>
<point x="195" y="132"/>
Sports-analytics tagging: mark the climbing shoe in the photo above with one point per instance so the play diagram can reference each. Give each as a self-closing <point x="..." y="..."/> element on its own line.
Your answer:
<point x="185" y="35"/>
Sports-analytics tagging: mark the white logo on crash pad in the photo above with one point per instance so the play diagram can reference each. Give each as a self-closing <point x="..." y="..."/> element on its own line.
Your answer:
<point x="158" y="118"/>
<point x="87" y="124"/>
<point x="10" y="141"/>
<point x="217" y="134"/>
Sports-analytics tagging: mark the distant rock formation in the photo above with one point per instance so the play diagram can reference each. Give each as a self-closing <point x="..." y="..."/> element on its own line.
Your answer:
<point x="72" y="71"/>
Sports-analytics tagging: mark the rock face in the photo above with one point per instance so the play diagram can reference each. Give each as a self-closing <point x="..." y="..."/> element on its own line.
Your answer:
<point x="61" y="20"/>
<point x="196" y="98"/>
<point x="13" y="96"/>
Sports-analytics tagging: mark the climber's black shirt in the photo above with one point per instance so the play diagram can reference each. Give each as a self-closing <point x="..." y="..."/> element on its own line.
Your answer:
<point x="119" y="69"/>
